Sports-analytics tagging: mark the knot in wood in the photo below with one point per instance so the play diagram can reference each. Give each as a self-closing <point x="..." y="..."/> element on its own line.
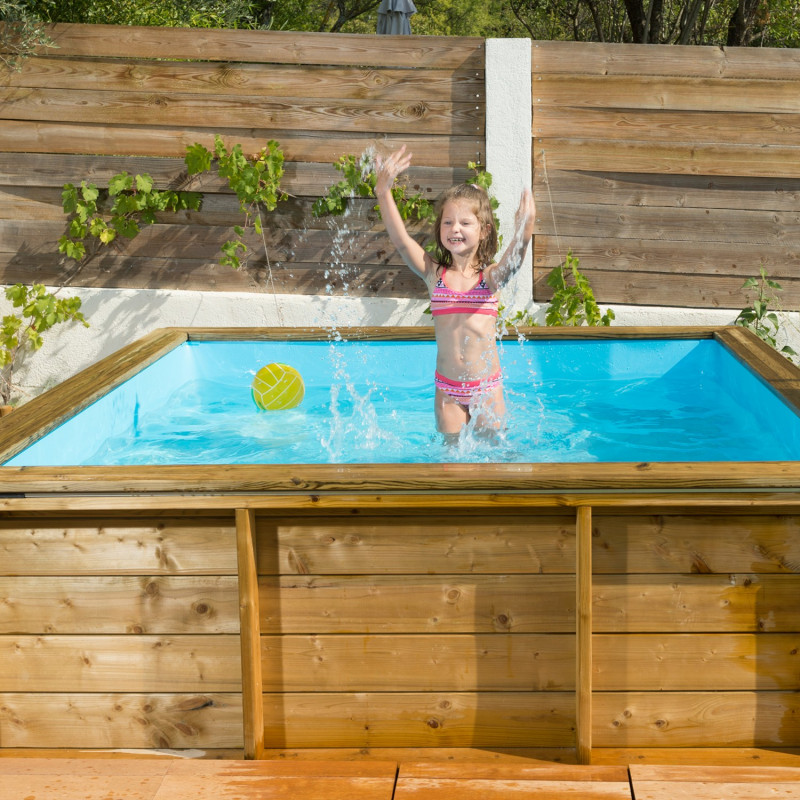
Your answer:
<point x="433" y="723"/>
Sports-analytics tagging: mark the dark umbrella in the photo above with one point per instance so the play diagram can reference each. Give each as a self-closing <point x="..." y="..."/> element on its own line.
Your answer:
<point x="394" y="17"/>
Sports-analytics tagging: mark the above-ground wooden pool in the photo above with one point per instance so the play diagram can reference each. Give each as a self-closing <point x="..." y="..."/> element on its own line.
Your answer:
<point x="546" y="606"/>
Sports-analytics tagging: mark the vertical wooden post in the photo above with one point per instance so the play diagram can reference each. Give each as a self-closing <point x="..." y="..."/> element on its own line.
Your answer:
<point x="583" y="634"/>
<point x="250" y="634"/>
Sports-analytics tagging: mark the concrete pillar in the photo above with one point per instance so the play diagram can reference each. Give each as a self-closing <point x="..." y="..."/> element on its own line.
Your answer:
<point x="508" y="144"/>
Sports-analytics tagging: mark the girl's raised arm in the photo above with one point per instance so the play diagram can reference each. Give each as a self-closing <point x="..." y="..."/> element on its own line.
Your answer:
<point x="501" y="272"/>
<point x="386" y="170"/>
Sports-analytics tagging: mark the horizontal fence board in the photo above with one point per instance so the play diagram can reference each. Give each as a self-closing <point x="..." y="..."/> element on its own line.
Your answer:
<point x="674" y="224"/>
<point x="119" y="604"/>
<point x="485" y="662"/>
<point x="282" y="47"/>
<point x="662" y="289"/>
<point x="718" y="259"/>
<point x="655" y="157"/>
<point x="594" y="58"/>
<point x="48" y="137"/>
<point x="445" y="545"/>
<point x="666" y="92"/>
<point x="166" y="546"/>
<point x="205" y="274"/>
<point x="737" y="603"/>
<point x="697" y="543"/>
<point x="692" y="662"/>
<point x="418" y="604"/>
<point x="435" y="719"/>
<point x="290" y="113"/>
<point x="120" y="663"/>
<point x="555" y="187"/>
<point x="668" y="127"/>
<point x="171" y="721"/>
<point x="695" y="719"/>
<point x="258" y="80"/>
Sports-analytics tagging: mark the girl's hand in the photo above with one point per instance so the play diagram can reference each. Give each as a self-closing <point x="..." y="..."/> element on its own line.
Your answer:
<point x="387" y="169"/>
<point x="525" y="219"/>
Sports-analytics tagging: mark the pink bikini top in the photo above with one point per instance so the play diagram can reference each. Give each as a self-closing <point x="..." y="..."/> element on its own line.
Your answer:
<point x="478" y="300"/>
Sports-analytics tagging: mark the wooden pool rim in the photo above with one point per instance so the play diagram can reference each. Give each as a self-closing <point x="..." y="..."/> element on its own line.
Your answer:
<point x="491" y="481"/>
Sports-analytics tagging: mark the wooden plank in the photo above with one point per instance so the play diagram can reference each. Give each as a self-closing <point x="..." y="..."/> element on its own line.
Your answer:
<point x="327" y="486"/>
<point x="161" y="778"/>
<point x="643" y="223"/>
<point x="702" y="756"/>
<point x="653" y="59"/>
<point x="499" y="789"/>
<point x="444" y="662"/>
<point x="690" y="662"/>
<point x="119" y="604"/>
<point x="207" y="275"/>
<point x="282" y="47"/>
<point x="171" y="721"/>
<point x="230" y="78"/>
<point x="173" y="109"/>
<point x="696" y="543"/>
<point x="632" y="288"/>
<point x="696" y="719"/>
<point x="83" y="389"/>
<point x="695" y="603"/>
<point x="718" y="259"/>
<point x="18" y="505"/>
<point x="436" y="780"/>
<point x="773" y="367"/>
<point x="583" y="634"/>
<point x="657" y="125"/>
<point x="682" y="159"/>
<point x="326" y="780"/>
<point x="250" y="634"/>
<point x="427" y="719"/>
<point x="679" y="191"/>
<point x="770" y="775"/>
<point x="534" y="543"/>
<point x="418" y="604"/>
<point x="666" y="92"/>
<point x="49" y="137"/>
<point x="89" y="663"/>
<point x="110" y="544"/>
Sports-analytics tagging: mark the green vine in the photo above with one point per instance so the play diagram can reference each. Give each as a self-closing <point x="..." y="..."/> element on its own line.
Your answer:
<point x="129" y="202"/>
<point x="21" y="34"/>
<point x="256" y="182"/>
<point x="573" y="300"/>
<point x="758" y="317"/>
<point x="22" y="332"/>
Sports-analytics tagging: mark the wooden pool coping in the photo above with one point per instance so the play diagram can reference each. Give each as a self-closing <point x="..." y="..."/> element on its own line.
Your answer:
<point x="456" y="480"/>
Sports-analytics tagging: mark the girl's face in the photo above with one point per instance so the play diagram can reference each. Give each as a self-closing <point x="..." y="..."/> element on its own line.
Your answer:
<point x="461" y="231"/>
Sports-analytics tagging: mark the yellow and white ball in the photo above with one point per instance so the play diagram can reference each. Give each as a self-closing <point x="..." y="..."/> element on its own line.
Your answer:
<point x="278" y="386"/>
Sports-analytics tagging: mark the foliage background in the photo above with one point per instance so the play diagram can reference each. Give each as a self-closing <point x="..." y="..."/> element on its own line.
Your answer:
<point x="768" y="23"/>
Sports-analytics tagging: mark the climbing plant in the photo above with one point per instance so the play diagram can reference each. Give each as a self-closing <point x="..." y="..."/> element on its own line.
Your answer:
<point x="573" y="301"/>
<point x="758" y="316"/>
<point x="256" y="182"/>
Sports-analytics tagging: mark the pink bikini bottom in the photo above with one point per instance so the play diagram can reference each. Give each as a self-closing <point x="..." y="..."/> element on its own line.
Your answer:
<point x="466" y="392"/>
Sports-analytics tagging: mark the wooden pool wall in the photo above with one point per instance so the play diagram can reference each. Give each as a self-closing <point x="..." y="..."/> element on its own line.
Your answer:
<point x="232" y="609"/>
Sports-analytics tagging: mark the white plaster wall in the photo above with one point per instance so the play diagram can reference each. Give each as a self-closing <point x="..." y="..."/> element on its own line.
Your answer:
<point x="508" y="144"/>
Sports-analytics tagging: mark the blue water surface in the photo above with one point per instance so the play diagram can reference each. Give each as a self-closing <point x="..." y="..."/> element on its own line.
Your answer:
<point x="372" y="402"/>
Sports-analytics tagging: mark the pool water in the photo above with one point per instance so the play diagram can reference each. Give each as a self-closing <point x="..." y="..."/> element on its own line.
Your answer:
<point x="372" y="402"/>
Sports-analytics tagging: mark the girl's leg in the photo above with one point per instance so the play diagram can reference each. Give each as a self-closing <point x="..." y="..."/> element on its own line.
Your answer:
<point x="451" y="416"/>
<point x="489" y="411"/>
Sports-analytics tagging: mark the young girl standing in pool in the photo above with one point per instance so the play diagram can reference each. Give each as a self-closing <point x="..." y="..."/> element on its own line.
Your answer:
<point x="462" y="281"/>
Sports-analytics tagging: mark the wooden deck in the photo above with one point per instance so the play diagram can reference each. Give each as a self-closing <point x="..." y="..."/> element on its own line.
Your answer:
<point x="169" y="778"/>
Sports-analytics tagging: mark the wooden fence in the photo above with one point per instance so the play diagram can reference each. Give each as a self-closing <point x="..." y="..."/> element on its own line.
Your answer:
<point x="671" y="172"/>
<point x="108" y="99"/>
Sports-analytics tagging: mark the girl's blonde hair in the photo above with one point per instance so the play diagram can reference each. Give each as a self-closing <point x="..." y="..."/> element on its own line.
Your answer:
<point x="482" y="209"/>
